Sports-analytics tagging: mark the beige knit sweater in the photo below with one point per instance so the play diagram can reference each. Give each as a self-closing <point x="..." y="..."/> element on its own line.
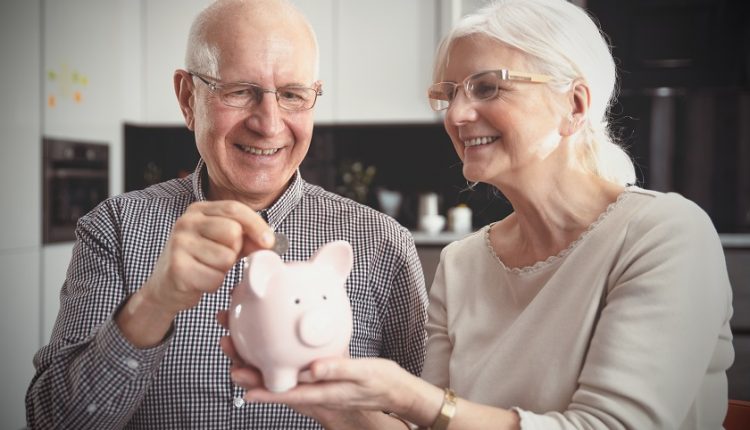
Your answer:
<point x="628" y="328"/>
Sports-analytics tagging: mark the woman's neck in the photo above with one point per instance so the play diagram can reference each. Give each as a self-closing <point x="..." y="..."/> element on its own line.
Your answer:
<point x="549" y="215"/>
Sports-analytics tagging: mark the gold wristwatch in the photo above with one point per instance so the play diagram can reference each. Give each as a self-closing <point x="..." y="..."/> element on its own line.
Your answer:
<point x="447" y="410"/>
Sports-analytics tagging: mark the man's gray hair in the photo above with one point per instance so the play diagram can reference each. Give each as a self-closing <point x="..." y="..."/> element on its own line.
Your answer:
<point x="201" y="56"/>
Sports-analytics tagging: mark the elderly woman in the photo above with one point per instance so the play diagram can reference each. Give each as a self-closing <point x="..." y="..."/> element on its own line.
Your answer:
<point x="596" y="304"/>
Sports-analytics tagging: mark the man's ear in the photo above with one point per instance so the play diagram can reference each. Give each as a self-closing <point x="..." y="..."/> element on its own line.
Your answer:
<point x="185" y="91"/>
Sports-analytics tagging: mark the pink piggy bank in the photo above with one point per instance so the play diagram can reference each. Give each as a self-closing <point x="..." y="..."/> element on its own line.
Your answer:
<point x="285" y="315"/>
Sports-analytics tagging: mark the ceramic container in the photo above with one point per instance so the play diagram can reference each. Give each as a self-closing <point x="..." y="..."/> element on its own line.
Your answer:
<point x="459" y="219"/>
<point x="432" y="224"/>
<point x="285" y="315"/>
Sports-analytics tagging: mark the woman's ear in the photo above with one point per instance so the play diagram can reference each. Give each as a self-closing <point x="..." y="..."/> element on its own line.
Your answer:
<point x="185" y="91"/>
<point x="579" y="99"/>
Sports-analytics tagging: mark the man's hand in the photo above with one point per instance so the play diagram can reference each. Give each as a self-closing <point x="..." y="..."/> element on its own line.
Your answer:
<point x="206" y="241"/>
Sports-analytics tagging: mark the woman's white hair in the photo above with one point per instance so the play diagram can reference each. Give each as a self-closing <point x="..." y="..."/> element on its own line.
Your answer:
<point x="559" y="39"/>
<point x="202" y="56"/>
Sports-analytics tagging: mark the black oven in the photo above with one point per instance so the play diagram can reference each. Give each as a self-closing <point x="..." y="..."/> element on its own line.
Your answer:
<point x="76" y="178"/>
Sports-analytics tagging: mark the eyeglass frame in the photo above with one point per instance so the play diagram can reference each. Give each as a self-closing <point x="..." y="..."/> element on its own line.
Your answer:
<point x="215" y="86"/>
<point x="503" y="74"/>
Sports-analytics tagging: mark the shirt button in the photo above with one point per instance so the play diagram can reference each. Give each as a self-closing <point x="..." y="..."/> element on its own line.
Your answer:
<point x="132" y="363"/>
<point x="238" y="402"/>
<point x="91" y="408"/>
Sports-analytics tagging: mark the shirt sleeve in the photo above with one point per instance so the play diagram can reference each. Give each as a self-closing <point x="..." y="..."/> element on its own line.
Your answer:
<point x="89" y="376"/>
<point x="439" y="346"/>
<point x="404" y="324"/>
<point x="662" y="340"/>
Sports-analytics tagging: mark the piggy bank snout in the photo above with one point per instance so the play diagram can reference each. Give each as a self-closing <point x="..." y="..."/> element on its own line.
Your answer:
<point x="317" y="327"/>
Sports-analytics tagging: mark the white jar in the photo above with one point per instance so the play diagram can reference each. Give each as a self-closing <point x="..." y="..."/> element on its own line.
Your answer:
<point x="459" y="219"/>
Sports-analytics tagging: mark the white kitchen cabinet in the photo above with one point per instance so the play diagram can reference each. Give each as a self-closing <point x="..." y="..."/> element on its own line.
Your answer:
<point x="20" y="122"/>
<point x="165" y="31"/>
<point x="19" y="332"/>
<point x="20" y="191"/>
<point x="383" y="60"/>
<point x="321" y="14"/>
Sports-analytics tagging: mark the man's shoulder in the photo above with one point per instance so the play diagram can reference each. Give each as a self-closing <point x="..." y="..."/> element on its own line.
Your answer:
<point x="174" y="193"/>
<point x="172" y="189"/>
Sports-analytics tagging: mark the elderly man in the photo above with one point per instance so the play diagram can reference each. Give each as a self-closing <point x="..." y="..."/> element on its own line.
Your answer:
<point x="136" y="343"/>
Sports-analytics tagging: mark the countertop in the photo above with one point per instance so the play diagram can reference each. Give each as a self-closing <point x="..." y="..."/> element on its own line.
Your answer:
<point x="728" y="240"/>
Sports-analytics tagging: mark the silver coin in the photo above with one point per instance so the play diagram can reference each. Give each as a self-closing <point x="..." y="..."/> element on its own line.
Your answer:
<point x="281" y="245"/>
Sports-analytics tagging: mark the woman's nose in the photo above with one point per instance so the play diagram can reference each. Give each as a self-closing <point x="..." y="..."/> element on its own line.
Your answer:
<point x="461" y="110"/>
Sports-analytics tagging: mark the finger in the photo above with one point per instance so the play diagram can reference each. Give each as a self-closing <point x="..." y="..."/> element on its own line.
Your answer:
<point x="253" y="225"/>
<point x="301" y="395"/>
<point x="222" y="317"/>
<point x="227" y="346"/>
<point x="221" y="230"/>
<point x="194" y="275"/>
<point x="336" y="369"/>
<point x="219" y="255"/>
<point x="246" y="377"/>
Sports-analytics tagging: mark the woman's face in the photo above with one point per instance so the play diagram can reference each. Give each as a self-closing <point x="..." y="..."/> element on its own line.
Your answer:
<point x="510" y="135"/>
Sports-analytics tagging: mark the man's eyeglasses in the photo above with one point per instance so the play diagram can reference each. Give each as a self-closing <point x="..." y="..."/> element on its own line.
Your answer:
<point x="478" y="87"/>
<point x="245" y="95"/>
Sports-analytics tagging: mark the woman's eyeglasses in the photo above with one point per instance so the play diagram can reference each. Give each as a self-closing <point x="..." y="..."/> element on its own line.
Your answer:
<point x="479" y="86"/>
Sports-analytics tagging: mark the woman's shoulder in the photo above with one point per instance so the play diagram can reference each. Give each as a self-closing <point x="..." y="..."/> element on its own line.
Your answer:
<point x="468" y="246"/>
<point x="666" y="214"/>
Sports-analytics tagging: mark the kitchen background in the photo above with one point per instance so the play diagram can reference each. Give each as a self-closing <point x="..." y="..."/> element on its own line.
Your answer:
<point x="88" y="111"/>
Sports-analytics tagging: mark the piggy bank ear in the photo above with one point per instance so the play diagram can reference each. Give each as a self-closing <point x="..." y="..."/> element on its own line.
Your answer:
<point x="336" y="255"/>
<point x="261" y="266"/>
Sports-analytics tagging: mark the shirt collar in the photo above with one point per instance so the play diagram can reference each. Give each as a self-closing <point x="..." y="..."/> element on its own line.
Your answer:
<point x="276" y="213"/>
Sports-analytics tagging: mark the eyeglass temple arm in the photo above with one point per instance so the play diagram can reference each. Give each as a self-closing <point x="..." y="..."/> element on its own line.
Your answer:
<point x="523" y="76"/>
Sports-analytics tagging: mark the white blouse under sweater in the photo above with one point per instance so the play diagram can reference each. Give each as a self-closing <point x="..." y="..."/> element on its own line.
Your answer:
<point x="628" y="328"/>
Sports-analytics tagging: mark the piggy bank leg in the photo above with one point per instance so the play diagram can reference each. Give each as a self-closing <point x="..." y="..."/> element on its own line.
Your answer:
<point x="279" y="380"/>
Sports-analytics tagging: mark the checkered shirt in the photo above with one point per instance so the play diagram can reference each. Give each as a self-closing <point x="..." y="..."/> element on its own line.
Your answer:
<point x="90" y="377"/>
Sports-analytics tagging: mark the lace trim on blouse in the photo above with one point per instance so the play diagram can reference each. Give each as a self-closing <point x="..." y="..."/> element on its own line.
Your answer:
<point x="560" y="255"/>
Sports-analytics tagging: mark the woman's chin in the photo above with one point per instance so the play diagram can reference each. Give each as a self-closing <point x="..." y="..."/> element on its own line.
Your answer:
<point x="474" y="174"/>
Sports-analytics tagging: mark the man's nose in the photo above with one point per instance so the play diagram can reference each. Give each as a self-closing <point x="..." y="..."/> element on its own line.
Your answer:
<point x="265" y="116"/>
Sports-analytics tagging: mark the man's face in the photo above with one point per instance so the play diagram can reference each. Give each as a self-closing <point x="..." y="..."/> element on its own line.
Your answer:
<point x="252" y="153"/>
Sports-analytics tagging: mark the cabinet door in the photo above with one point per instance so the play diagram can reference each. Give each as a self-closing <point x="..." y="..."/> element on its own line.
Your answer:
<point x="19" y="331"/>
<point x="20" y="121"/>
<point x="320" y="13"/>
<point x="384" y="53"/>
<point x="166" y="27"/>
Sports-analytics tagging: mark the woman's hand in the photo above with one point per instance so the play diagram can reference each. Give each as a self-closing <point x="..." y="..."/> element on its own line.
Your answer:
<point x="345" y="383"/>
<point x="251" y="379"/>
<point x="358" y="386"/>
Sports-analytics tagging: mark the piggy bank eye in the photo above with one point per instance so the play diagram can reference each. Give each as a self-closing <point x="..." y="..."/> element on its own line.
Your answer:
<point x="297" y="301"/>
<point x="324" y="297"/>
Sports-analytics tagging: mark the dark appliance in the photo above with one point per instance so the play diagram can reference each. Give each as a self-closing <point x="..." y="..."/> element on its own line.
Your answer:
<point x="155" y="154"/>
<point x="76" y="179"/>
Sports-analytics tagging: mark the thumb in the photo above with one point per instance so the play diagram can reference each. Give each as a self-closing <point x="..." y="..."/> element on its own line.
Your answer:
<point x="330" y="369"/>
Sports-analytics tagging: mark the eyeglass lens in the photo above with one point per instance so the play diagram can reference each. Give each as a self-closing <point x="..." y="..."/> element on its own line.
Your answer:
<point x="289" y="98"/>
<point x="482" y="86"/>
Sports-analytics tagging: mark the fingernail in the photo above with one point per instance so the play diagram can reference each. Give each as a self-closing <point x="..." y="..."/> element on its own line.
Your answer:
<point x="267" y="238"/>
